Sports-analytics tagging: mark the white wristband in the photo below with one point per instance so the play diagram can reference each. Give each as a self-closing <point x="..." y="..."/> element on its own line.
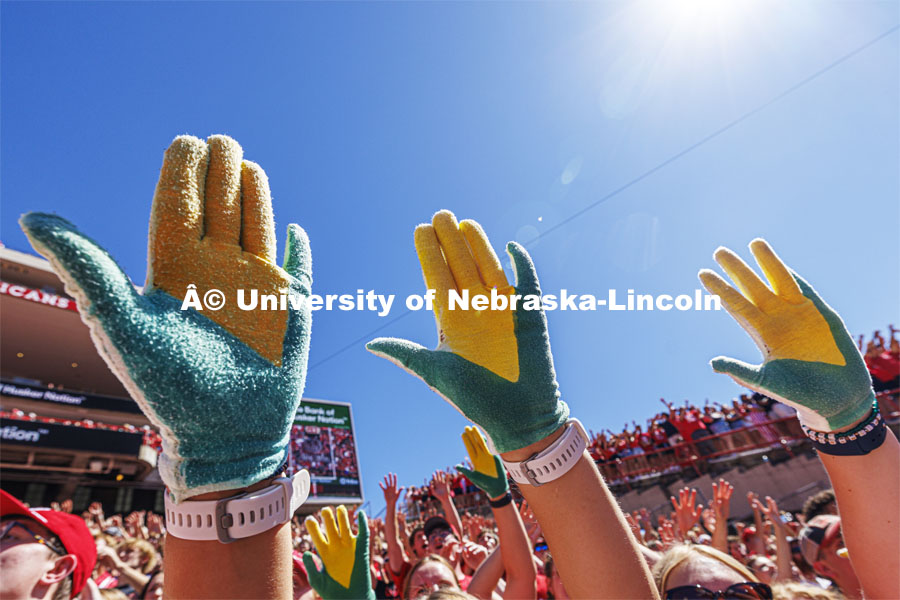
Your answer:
<point x="238" y="517"/>
<point x="554" y="461"/>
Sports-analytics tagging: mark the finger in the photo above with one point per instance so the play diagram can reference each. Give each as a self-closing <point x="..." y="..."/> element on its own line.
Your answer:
<point x="776" y="271"/>
<point x="746" y="279"/>
<point x="89" y="273"/>
<point x="177" y="214"/>
<point x="362" y="538"/>
<point x="470" y="447"/>
<point x="743" y="373"/>
<point x="298" y="257"/>
<point x="485" y="258"/>
<point x="456" y="251"/>
<point x="343" y="523"/>
<point x="319" y="541"/>
<point x="316" y="577"/>
<point x="745" y="313"/>
<point x="222" y="206"/>
<point x="331" y="528"/>
<point x="434" y="266"/>
<point x="257" y="220"/>
<point x="410" y="356"/>
<point x="526" y="276"/>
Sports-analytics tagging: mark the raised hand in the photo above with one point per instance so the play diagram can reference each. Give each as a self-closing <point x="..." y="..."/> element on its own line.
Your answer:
<point x="686" y="511"/>
<point x="345" y="557"/>
<point x="810" y="362"/>
<point x="487" y="472"/>
<point x="389" y="487"/>
<point x="440" y="485"/>
<point x="205" y="378"/>
<point x="494" y="366"/>
<point x="721" y="501"/>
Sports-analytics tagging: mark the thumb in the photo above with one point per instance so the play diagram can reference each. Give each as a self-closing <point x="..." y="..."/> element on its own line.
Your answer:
<point x="315" y="576"/>
<point x="743" y="373"/>
<point x="89" y="273"/>
<point x="298" y="257"/>
<point x="409" y="356"/>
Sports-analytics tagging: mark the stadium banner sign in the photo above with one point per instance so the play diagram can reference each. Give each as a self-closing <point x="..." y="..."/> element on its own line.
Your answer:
<point x="38" y="296"/>
<point x="28" y="391"/>
<point x="323" y="443"/>
<point x="69" y="437"/>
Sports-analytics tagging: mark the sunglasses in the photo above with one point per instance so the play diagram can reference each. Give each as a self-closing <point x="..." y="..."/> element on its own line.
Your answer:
<point x="739" y="591"/>
<point x="540" y="547"/>
<point x="6" y="531"/>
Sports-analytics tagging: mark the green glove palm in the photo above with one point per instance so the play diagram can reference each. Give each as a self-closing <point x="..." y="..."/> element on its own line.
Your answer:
<point x="224" y="409"/>
<point x="494" y="366"/>
<point x="810" y="360"/>
<point x="345" y="557"/>
<point x="488" y="472"/>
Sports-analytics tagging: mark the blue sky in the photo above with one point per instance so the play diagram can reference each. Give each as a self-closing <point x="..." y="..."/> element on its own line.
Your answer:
<point x="370" y="117"/>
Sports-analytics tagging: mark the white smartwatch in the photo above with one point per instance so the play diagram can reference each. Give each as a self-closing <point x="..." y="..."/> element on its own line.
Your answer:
<point x="554" y="461"/>
<point x="238" y="517"/>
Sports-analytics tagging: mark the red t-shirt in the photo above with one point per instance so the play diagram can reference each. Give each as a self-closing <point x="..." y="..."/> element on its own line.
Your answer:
<point x="884" y="367"/>
<point x="689" y="423"/>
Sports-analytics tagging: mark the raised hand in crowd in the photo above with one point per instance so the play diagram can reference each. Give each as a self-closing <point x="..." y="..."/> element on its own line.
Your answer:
<point x="496" y="368"/>
<point x="396" y="556"/>
<point x="687" y="512"/>
<point x="344" y="573"/>
<point x="721" y="511"/>
<point x="783" y="563"/>
<point x="811" y="363"/>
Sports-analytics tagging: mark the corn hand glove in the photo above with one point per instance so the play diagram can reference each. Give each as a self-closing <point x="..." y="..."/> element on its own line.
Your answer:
<point x="222" y="385"/>
<point x="494" y="366"/>
<point x="809" y="359"/>
<point x="487" y="473"/>
<point x="345" y="557"/>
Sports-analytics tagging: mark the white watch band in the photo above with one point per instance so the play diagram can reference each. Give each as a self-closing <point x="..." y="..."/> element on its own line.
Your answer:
<point x="554" y="461"/>
<point x="238" y="517"/>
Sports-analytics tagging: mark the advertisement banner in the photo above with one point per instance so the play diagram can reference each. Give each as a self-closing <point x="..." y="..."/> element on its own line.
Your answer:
<point x="67" y="437"/>
<point x="322" y="442"/>
<point x="39" y="296"/>
<point x="70" y="397"/>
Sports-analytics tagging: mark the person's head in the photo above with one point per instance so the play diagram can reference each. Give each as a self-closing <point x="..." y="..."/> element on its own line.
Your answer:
<point x="554" y="581"/>
<point x="430" y="574"/>
<point x="113" y="594"/>
<point x="138" y="554"/>
<point x="437" y="530"/>
<point x="687" y="566"/>
<point x="822" y="503"/>
<point x="736" y="547"/>
<point x="763" y="567"/>
<point x="43" y="553"/>
<point x="418" y="542"/>
<point x="822" y="546"/>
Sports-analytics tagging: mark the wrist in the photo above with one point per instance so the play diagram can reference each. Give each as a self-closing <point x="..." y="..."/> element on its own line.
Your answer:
<point x="532" y="449"/>
<point x="218" y="495"/>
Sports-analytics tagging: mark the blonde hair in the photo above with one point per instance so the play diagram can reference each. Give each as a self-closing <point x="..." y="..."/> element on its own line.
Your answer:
<point x="681" y="552"/>
<point x="794" y="590"/>
<point x="424" y="560"/>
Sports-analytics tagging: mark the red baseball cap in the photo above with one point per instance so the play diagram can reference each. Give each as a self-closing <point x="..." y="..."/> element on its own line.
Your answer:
<point x="70" y="530"/>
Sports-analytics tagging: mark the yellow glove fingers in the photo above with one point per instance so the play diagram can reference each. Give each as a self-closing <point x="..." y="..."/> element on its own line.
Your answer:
<point x="460" y="260"/>
<point x="485" y="258"/>
<point x="222" y="211"/>
<point x="258" y="222"/>
<point x="177" y="214"/>
<point x="776" y="271"/>
<point x="331" y="529"/>
<point x="739" y="307"/>
<point x="321" y="544"/>
<point x="434" y="267"/>
<point x="470" y="446"/>
<point x="746" y="279"/>
<point x="343" y="523"/>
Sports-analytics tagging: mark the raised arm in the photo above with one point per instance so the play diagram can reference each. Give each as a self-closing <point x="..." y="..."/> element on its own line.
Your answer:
<point x="812" y="364"/>
<point x="396" y="557"/>
<point x="440" y="487"/>
<point x="191" y="370"/>
<point x="495" y="367"/>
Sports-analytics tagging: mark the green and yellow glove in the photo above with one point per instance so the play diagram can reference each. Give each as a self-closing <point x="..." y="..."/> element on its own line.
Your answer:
<point x="809" y="359"/>
<point x="345" y="557"/>
<point x="487" y="473"/>
<point x="222" y="385"/>
<point x="494" y="366"/>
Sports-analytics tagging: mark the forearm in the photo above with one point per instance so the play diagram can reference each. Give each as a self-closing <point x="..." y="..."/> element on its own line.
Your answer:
<point x="253" y="567"/>
<point x="584" y="528"/>
<point x="720" y="537"/>
<point x="132" y="577"/>
<point x="486" y="577"/>
<point x="520" y="570"/>
<point x="395" y="551"/>
<point x="451" y="514"/>
<point x="867" y="489"/>
<point x="783" y="563"/>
